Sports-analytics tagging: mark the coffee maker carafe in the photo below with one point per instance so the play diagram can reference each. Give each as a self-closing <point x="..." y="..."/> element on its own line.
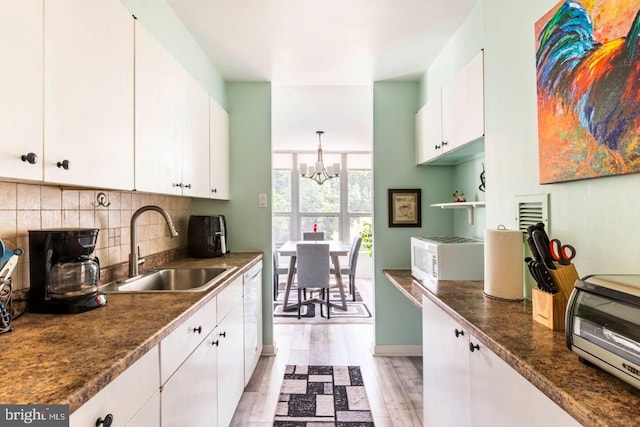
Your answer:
<point x="64" y="273"/>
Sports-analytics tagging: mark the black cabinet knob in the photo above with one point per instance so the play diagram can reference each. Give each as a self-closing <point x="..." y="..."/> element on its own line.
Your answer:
<point x="444" y="143"/>
<point x="436" y="147"/>
<point x="108" y="419"/>
<point x="216" y="343"/>
<point x="187" y="186"/>
<point x="30" y="158"/>
<point x="177" y="184"/>
<point x="214" y="190"/>
<point x="198" y="329"/>
<point x="65" y="164"/>
<point x="473" y="347"/>
<point x="223" y="334"/>
<point x="459" y="332"/>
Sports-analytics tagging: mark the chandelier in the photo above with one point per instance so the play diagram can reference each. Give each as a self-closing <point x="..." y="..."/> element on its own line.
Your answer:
<point x="318" y="172"/>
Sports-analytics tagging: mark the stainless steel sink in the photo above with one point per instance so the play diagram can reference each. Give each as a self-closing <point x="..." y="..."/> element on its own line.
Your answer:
<point x="184" y="279"/>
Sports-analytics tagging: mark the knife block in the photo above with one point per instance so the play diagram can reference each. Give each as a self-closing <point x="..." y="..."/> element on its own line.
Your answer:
<point x="549" y="309"/>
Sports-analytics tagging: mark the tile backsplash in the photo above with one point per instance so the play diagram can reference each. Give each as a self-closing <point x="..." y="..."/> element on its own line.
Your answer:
<point x="26" y="207"/>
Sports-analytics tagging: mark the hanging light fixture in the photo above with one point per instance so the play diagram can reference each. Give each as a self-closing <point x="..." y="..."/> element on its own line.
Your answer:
<point x="318" y="172"/>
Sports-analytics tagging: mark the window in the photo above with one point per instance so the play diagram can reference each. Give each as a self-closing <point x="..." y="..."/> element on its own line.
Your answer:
<point x="339" y="206"/>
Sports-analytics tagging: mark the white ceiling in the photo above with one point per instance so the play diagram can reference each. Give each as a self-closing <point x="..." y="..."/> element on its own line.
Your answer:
<point x="326" y="42"/>
<point x="322" y="57"/>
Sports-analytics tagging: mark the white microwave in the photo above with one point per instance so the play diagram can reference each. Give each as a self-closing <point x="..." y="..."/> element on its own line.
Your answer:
<point x="447" y="258"/>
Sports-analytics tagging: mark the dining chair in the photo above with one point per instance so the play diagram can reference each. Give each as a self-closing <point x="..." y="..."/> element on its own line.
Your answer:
<point x="313" y="235"/>
<point x="350" y="269"/>
<point x="278" y="269"/>
<point x="313" y="272"/>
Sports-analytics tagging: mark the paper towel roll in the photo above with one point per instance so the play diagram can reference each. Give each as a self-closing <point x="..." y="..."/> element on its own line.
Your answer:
<point x="503" y="264"/>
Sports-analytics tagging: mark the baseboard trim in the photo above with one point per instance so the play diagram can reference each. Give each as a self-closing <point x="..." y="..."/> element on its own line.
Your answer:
<point x="269" y="350"/>
<point x="397" y="350"/>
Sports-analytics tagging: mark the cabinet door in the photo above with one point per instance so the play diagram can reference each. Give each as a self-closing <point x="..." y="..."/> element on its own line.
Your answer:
<point x="21" y="36"/>
<point x="463" y="106"/>
<point x="230" y="364"/>
<point x="252" y="320"/>
<point x="429" y="130"/>
<point x="446" y="368"/>
<point x="195" y="130"/>
<point x="219" y="149"/>
<point x="189" y="398"/>
<point x="175" y="347"/>
<point x="501" y="397"/>
<point x="123" y="397"/>
<point x="88" y="93"/>
<point x="158" y="107"/>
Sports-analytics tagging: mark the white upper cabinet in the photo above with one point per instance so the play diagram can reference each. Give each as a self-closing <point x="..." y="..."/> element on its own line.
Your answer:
<point x="158" y="161"/>
<point x="195" y="149"/>
<point x="429" y="130"/>
<point x="21" y="89"/>
<point x="88" y="93"/>
<point x="450" y="128"/>
<point x="219" y="149"/>
<point x="463" y="106"/>
<point x="172" y="123"/>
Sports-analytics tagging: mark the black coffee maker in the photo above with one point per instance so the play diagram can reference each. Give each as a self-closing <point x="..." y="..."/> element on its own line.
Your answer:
<point x="63" y="271"/>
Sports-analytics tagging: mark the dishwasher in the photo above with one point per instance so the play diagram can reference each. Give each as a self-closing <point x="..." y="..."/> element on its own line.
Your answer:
<point x="252" y="319"/>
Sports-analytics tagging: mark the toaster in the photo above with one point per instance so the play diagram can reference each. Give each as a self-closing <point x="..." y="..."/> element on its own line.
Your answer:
<point x="603" y="324"/>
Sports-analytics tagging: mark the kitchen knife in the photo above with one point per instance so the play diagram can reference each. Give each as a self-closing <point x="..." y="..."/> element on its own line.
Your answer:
<point x="534" y="272"/>
<point x="548" y="283"/>
<point x="541" y="241"/>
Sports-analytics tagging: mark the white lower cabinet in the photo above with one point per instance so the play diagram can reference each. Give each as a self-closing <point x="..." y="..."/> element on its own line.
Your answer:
<point x="252" y="319"/>
<point x="467" y="384"/>
<point x="189" y="398"/>
<point x="127" y="399"/>
<point x="230" y="355"/>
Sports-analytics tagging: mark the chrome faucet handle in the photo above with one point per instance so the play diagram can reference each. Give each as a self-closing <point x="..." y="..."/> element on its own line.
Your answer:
<point x="140" y="259"/>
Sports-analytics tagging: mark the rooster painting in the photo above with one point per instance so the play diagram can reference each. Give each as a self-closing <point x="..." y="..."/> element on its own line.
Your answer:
<point x="588" y="89"/>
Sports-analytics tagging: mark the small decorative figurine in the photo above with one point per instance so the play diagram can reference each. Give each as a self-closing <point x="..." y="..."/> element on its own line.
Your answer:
<point x="459" y="197"/>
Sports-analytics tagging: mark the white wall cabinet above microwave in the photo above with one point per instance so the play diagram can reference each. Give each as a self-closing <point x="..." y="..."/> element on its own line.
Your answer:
<point x="172" y="123"/>
<point x="88" y="94"/>
<point x="450" y="126"/>
<point x="21" y="43"/>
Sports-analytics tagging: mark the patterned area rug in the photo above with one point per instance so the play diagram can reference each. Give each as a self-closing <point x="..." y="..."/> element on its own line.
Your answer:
<point x="323" y="396"/>
<point x="356" y="310"/>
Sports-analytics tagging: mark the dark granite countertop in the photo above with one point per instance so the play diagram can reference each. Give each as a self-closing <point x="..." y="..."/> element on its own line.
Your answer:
<point x="68" y="358"/>
<point x="592" y="396"/>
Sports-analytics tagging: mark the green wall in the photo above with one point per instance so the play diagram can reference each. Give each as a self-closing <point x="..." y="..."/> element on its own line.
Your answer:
<point x="249" y="227"/>
<point x="160" y="19"/>
<point x="397" y="321"/>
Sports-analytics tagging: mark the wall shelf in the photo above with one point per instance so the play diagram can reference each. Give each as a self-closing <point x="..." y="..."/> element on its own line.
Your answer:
<point x="470" y="206"/>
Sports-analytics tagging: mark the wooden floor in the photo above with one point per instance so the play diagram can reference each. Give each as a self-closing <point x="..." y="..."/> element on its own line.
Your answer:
<point x="393" y="384"/>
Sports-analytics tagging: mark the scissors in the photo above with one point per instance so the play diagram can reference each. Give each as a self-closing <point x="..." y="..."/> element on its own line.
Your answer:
<point x="561" y="253"/>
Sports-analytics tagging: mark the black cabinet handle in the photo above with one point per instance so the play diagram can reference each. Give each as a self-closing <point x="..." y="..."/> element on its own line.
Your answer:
<point x="198" y="329"/>
<point x="65" y="164"/>
<point x="436" y="147"/>
<point x="108" y="419"/>
<point x="473" y="347"/>
<point x="444" y="143"/>
<point x="177" y="184"/>
<point x="187" y="186"/>
<point x="214" y="190"/>
<point x="216" y="343"/>
<point x="223" y="334"/>
<point x="30" y="158"/>
<point x="459" y="332"/>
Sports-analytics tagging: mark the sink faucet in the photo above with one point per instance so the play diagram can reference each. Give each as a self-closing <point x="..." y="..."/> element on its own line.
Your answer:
<point x="134" y="255"/>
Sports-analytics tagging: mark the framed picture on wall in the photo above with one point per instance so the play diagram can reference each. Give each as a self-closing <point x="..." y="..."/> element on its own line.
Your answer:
<point x="405" y="208"/>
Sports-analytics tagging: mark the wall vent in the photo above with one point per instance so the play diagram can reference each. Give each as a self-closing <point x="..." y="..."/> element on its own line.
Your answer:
<point x="532" y="209"/>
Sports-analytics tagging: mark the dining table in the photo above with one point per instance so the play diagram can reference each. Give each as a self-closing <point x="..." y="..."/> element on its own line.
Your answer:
<point x="336" y="250"/>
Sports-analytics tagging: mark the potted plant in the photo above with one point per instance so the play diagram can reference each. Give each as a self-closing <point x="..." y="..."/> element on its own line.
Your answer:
<point x="367" y="238"/>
